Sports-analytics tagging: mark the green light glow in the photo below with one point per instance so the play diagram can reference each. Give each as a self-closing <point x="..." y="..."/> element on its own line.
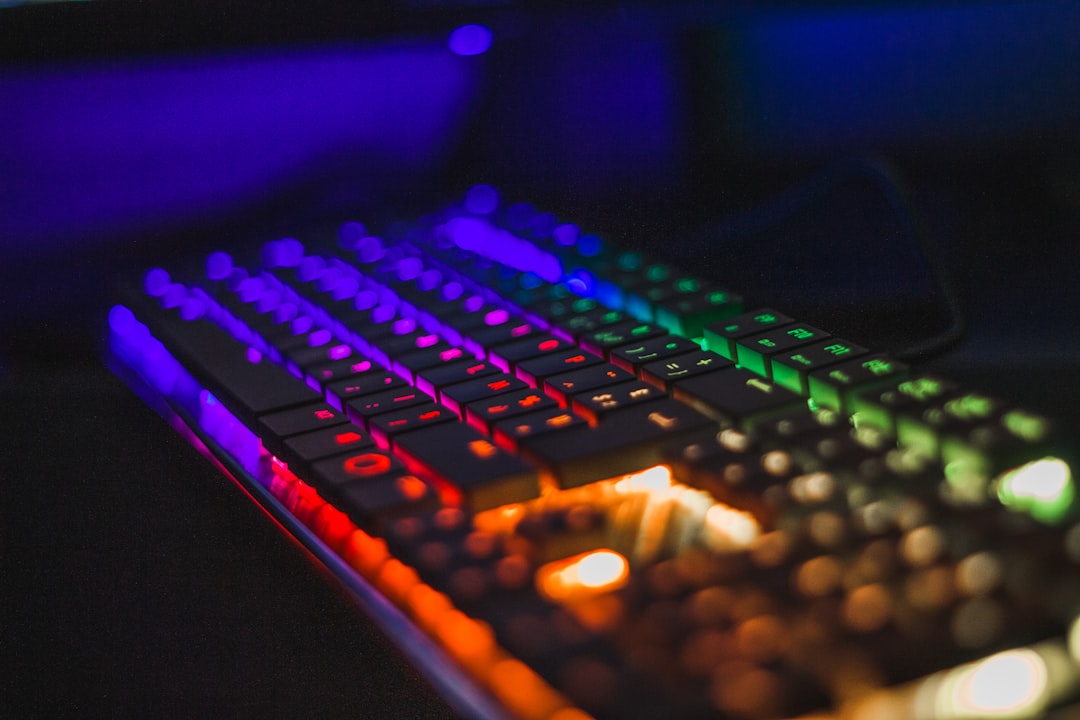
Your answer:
<point x="1031" y="428"/>
<point x="1043" y="488"/>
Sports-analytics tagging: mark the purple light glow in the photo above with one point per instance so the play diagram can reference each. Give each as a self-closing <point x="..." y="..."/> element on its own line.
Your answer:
<point x="250" y="289"/>
<point x="425" y="341"/>
<point x="350" y="234"/>
<point x="452" y="290"/>
<point x="187" y="135"/>
<point x="156" y="282"/>
<point x="429" y="280"/>
<point x="218" y="265"/>
<point x="173" y="295"/>
<point x="566" y="234"/>
<point x="474" y="303"/>
<point x="403" y="326"/>
<point x="481" y="237"/>
<point x="370" y="249"/>
<point x="383" y="313"/>
<point x="254" y="356"/>
<point x="192" y="308"/>
<point x="301" y="324"/>
<point x="481" y="199"/>
<point x="310" y="268"/>
<point x="470" y="40"/>
<point x="496" y="317"/>
<point x="319" y="337"/>
<point x="409" y="268"/>
<point x="339" y="352"/>
<point x="286" y="312"/>
<point x="365" y="300"/>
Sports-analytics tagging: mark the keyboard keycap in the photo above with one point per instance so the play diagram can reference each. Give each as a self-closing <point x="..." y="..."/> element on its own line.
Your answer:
<point x="459" y="457"/>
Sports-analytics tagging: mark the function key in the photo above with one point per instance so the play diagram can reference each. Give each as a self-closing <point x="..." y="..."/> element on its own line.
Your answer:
<point x="720" y="336"/>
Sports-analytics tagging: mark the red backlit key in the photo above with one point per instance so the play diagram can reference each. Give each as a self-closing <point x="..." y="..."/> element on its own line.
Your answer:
<point x="535" y="370"/>
<point x="388" y="425"/>
<point x="433" y="380"/>
<point x="342" y="391"/>
<point x="363" y="465"/>
<point x="460" y="394"/>
<point x="361" y="409"/>
<point x="580" y="381"/>
<point x="302" y="450"/>
<point x="458" y="457"/>
<point x="272" y="428"/>
<point x="603" y="401"/>
<point x="508" y="433"/>
<point x="485" y="413"/>
<point x="318" y="376"/>
<point x="511" y="353"/>
<point x="623" y="443"/>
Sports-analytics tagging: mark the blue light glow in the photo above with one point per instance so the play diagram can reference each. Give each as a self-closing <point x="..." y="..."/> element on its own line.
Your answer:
<point x="184" y="135"/>
<point x="218" y="265"/>
<point x="470" y="40"/>
<point x="589" y="245"/>
<point x="350" y="234"/>
<point x="156" y="281"/>
<point x="483" y="238"/>
<point x="370" y="249"/>
<point x="566" y="234"/>
<point x="481" y="199"/>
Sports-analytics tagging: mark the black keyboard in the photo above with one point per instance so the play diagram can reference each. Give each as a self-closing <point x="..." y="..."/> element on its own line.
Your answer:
<point x="570" y="480"/>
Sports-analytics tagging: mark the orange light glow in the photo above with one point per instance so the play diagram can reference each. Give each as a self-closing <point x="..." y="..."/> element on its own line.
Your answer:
<point x="584" y="575"/>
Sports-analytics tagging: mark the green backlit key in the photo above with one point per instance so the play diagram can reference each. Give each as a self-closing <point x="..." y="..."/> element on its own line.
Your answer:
<point x="720" y="336"/>
<point x="899" y="409"/>
<point x="834" y="386"/>
<point x="688" y="314"/>
<point x="792" y="369"/>
<point x="631" y="357"/>
<point x="756" y="351"/>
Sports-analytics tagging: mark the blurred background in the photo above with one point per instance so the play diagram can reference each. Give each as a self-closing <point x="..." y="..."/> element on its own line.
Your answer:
<point x="904" y="174"/>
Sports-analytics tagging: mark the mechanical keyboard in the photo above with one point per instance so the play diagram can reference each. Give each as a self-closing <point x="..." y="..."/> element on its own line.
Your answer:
<point x="572" y="481"/>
